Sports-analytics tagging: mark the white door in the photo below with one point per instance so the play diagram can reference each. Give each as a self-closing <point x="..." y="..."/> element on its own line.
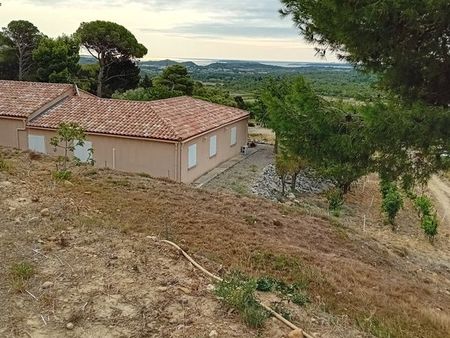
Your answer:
<point x="82" y="152"/>
<point x="36" y="143"/>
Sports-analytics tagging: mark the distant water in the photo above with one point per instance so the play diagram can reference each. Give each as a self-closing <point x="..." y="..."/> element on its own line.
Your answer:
<point x="205" y="62"/>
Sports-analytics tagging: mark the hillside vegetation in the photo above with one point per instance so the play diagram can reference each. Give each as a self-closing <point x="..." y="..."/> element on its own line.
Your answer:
<point x="357" y="278"/>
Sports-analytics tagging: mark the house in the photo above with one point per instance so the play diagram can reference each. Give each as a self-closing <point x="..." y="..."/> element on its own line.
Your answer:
<point x="178" y="138"/>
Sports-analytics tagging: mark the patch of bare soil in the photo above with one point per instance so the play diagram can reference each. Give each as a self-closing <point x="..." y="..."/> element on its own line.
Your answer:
<point x="440" y="189"/>
<point x="362" y="279"/>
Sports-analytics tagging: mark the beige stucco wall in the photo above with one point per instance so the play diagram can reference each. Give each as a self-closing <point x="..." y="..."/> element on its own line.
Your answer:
<point x="10" y="134"/>
<point x="159" y="159"/>
<point x="131" y="155"/>
<point x="224" y="150"/>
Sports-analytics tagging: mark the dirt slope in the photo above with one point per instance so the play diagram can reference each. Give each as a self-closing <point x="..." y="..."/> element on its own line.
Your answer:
<point x="389" y="284"/>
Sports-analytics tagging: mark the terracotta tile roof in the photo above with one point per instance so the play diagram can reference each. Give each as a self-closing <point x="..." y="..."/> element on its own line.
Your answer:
<point x="20" y="98"/>
<point x="170" y="119"/>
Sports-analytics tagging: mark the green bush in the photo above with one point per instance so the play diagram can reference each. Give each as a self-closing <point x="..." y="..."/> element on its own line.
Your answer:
<point x="335" y="199"/>
<point x="430" y="226"/>
<point x="392" y="200"/>
<point x="62" y="175"/>
<point x="238" y="292"/>
<point x="424" y="205"/>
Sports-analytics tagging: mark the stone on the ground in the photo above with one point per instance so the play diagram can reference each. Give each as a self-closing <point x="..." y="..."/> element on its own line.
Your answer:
<point x="296" y="334"/>
<point x="47" y="285"/>
<point x="45" y="212"/>
<point x="268" y="185"/>
<point x="213" y="333"/>
<point x="70" y="326"/>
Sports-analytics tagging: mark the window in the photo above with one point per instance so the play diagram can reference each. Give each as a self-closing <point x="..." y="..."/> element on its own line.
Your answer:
<point x="192" y="156"/>
<point x="233" y="136"/>
<point x="212" y="146"/>
<point x="36" y="143"/>
<point x="82" y="152"/>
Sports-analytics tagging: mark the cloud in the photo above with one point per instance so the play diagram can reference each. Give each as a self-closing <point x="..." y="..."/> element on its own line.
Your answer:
<point x="220" y="30"/>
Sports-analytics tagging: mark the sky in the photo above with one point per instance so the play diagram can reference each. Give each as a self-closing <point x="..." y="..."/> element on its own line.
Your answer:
<point x="211" y="29"/>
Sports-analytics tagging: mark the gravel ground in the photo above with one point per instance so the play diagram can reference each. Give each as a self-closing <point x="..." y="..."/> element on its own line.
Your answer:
<point x="256" y="175"/>
<point x="242" y="176"/>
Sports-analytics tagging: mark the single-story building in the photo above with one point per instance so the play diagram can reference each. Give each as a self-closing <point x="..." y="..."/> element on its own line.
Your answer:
<point x="178" y="138"/>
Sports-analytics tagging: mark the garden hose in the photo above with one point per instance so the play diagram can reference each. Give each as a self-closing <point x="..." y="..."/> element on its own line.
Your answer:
<point x="217" y="278"/>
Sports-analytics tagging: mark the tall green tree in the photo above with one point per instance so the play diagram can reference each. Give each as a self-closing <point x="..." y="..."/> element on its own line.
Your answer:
<point x="331" y="137"/>
<point x="407" y="43"/>
<point x="176" y="78"/>
<point x="109" y="43"/>
<point x="23" y="37"/>
<point x="121" y="76"/>
<point x="57" y="59"/>
<point x="8" y="60"/>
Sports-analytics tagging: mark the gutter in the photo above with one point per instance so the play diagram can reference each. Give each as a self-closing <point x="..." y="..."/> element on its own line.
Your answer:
<point x="214" y="129"/>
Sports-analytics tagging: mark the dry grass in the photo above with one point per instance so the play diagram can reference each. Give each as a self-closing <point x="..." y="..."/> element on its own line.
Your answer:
<point x="388" y="283"/>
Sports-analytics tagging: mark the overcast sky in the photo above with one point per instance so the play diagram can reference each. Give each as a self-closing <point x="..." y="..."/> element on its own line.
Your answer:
<point x="224" y="29"/>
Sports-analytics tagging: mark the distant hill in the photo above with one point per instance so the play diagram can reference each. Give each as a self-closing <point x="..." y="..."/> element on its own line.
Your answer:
<point x="234" y="65"/>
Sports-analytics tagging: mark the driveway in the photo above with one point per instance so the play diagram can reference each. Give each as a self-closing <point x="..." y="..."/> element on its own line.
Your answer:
<point x="242" y="175"/>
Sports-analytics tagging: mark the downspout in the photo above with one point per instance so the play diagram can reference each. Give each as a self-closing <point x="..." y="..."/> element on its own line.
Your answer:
<point x="114" y="158"/>
<point x="18" y="137"/>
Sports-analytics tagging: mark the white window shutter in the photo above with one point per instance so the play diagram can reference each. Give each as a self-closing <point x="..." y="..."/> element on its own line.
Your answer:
<point x="36" y="143"/>
<point x="192" y="156"/>
<point x="213" y="146"/>
<point x="233" y="136"/>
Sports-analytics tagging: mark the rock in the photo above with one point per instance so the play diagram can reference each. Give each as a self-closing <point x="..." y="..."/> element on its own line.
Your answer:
<point x="47" y="285"/>
<point x="34" y="220"/>
<point x="291" y="196"/>
<point x="268" y="185"/>
<point x="35" y="199"/>
<point x="210" y="287"/>
<point x="70" y="326"/>
<point x="213" y="333"/>
<point x="45" y="212"/>
<point x="68" y="183"/>
<point x="296" y="334"/>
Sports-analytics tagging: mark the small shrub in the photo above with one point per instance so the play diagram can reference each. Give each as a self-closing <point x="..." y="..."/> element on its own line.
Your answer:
<point x="335" y="199"/>
<point x="20" y="273"/>
<point x="392" y="200"/>
<point x="265" y="284"/>
<point x="430" y="226"/>
<point x="238" y="292"/>
<point x="423" y="205"/>
<point x="5" y="165"/>
<point x="293" y="292"/>
<point x="62" y="175"/>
